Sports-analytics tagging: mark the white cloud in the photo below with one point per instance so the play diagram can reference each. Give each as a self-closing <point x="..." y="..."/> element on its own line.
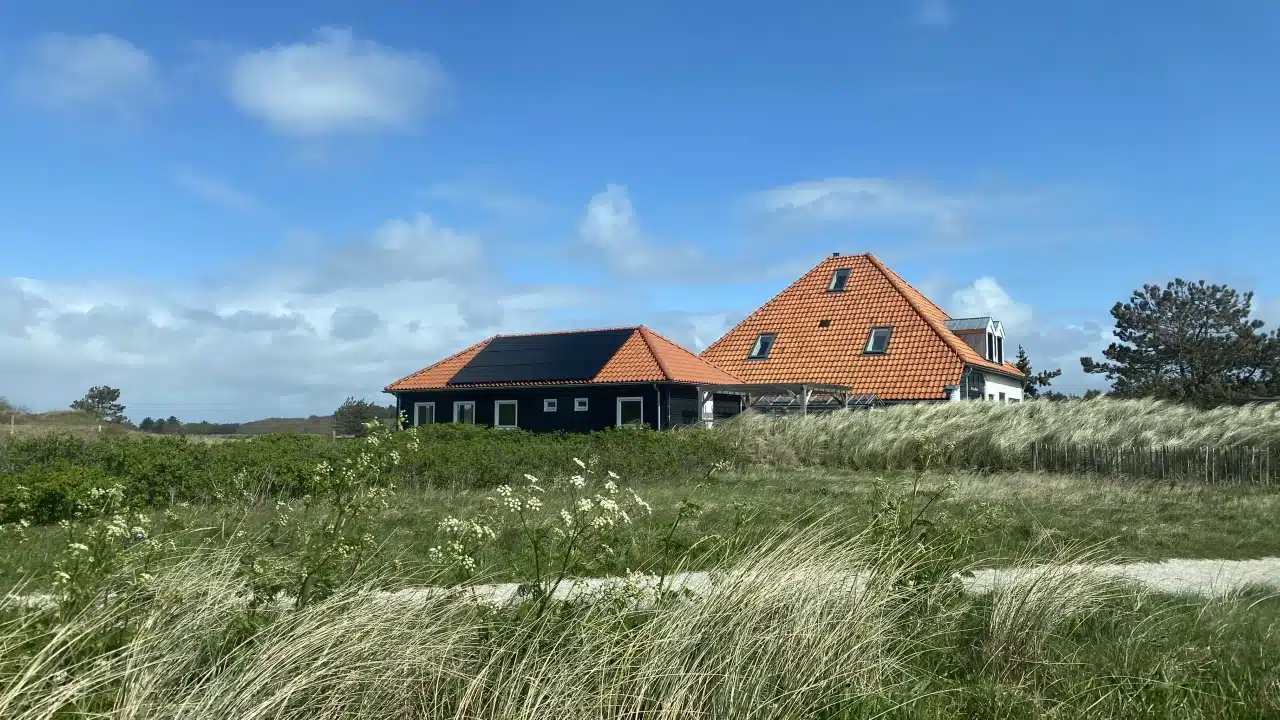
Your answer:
<point x="934" y="13"/>
<point x="1052" y="341"/>
<point x="985" y="298"/>
<point x="215" y="191"/>
<point x="296" y="339"/>
<point x="610" y="230"/>
<point x="866" y="201"/>
<point x="88" y="73"/>
<point x="337" y="84"/>
<point x="488" y="198"/>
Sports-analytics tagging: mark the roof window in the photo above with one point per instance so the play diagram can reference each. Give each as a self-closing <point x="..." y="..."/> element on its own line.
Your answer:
<point x="764" y="343"/>
<point x="878" y="342"/>
<point x="839" y="279"/>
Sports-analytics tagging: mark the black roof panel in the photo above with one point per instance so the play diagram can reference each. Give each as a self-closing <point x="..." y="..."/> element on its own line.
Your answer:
<point x="534" y="358"/>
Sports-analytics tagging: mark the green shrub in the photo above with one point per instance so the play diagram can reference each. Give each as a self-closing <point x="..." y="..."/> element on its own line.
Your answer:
<point x="48" y="493"/>
<point x="157" y="471"/>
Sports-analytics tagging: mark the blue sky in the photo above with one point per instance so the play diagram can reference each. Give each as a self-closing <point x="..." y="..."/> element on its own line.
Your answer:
<point x="245" y="209"/>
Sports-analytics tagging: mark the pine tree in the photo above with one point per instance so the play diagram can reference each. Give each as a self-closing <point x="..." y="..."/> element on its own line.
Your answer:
<point x="1032" y="383"/>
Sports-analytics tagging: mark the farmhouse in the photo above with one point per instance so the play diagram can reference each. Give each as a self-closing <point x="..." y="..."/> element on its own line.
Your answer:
<point x="852" y="322"/>
<point x="849" y="333"/>
<point x="578" y="380"/>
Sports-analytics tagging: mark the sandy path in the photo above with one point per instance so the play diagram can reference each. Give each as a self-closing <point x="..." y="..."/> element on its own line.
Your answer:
<point x="1206" y="578"/>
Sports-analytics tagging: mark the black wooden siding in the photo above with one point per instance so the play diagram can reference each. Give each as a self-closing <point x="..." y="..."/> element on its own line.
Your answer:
<point x="679" y="405"/>
<point x="601" y="412"/>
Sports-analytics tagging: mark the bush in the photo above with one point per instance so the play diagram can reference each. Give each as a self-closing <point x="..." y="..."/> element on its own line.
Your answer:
<point x="48" y="493"/>
<point x="156" y="471"/>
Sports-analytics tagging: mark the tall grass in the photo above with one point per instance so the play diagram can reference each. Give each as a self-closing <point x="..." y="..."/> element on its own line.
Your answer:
<point x="1014" y="437"/>
<point x="806" y="627"/>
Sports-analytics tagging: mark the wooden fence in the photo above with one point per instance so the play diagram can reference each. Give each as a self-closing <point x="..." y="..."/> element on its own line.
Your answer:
<point x="1210" y="465"/>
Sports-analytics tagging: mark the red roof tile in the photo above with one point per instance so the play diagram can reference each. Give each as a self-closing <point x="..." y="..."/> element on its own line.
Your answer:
<point x="923" y="355"/>
<point x="645" y="356"/>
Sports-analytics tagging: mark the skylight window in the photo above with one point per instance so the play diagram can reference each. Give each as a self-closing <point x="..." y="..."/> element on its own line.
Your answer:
<point x="878" y="343"/>
<point x="824" y="323"/>
<point x="839" y="279"/>
<point x="764" y="343"/>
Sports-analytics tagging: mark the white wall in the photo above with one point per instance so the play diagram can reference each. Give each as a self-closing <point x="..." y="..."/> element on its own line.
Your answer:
<point x="997" y="384"/>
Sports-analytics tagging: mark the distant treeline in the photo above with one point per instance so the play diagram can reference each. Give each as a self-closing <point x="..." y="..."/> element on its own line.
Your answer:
<point x="311" y="425"/>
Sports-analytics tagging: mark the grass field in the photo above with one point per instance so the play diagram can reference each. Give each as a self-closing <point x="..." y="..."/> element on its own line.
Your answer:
<point x="173" y="610"/>
<point x="782" y="638"/>
<point x="1029" y="514"/>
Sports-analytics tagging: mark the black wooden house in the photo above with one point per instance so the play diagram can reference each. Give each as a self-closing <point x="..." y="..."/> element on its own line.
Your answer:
<point x="576" y="381"/>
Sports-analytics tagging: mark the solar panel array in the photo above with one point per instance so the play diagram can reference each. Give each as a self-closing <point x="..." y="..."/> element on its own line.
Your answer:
<point x="556" y="357"/>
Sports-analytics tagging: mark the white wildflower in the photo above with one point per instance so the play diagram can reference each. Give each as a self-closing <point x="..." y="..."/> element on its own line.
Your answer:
<point x="580" y="463"/>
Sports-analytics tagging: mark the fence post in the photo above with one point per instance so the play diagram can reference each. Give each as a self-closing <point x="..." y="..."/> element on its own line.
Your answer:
<point x="11" y="416"/>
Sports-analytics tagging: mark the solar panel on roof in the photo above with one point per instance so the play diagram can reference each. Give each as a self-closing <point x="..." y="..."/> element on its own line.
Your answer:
<point x="533" y="358"/>
<point x="963" y="324"/>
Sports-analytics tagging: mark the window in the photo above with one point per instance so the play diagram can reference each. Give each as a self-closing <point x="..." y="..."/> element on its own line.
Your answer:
<point x="549" y="405"/>
<point x="839" y="279"/>
<point x="764" y="343"/>
<point x="424" y="413"/>
<point x="1001" y="397"/>
<point x="824" y="323"/>
<point x="630" y="411"/>
<point x="991" y="347"/>
<point x="999" y="349"/>
<point x="991" y="397"/>
<point x="878" y="343"/>
<point x="464" y="411"/>
<point x="580" y="404"/>
<point x="504" y="414"/>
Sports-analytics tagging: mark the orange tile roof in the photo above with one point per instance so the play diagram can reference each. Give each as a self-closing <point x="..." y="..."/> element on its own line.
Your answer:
<point x="645" y="356"/>
<point x="923" y="355"/>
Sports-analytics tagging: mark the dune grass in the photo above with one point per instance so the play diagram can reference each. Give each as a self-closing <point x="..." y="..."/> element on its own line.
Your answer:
<point x="1000" y="436"/>
<point x="807" y="626"/>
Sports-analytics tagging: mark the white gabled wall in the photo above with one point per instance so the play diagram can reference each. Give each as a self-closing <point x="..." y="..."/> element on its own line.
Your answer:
<point x="996" y="384"/>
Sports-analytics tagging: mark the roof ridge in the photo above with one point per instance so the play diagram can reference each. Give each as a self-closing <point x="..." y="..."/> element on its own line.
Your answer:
<point x="913" y="288"/>
<point x="770" y="301"/>
<point x="648" y="343"/>
<point x="685" y="350"/>
<point x="463" y="351"/>
<point x="942" y="333"/>
<point x="567" y="332"/>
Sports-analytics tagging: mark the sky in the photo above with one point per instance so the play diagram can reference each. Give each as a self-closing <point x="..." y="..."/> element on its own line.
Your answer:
<point x="238" y="210"/>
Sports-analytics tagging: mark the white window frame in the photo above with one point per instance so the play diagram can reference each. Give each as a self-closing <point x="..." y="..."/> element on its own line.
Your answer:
<point x="579" y="404"/>
<point x="871" y="340"/>
<point x="460" y="403"/>
<point x="848" y="275"/>
<point x="513" y="403"/>
<point x="629" y="399"/>
<point x="424" y="404"/>
<point x="550" y="404"/>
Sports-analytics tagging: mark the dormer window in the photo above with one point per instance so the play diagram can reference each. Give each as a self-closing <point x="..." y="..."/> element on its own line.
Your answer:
<point x="991" y="347"/>
<point x="999" y="349"/>
<point x="878" y="343"/>
<point x="839" y="279"/>
<point x="764" y="343"/>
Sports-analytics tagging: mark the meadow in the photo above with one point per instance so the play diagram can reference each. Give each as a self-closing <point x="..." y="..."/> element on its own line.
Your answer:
<point x="158" y="577"/>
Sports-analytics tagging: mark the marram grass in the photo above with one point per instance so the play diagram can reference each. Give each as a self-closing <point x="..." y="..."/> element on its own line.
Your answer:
<point x="806" y="627"/>
<point x="1101" y="433"/>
